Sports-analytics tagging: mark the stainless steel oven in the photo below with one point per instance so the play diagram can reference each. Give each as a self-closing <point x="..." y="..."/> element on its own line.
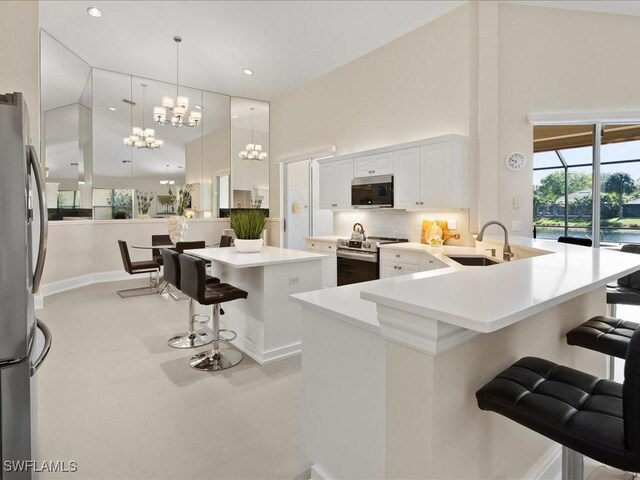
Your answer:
<point x="356" y="266"/>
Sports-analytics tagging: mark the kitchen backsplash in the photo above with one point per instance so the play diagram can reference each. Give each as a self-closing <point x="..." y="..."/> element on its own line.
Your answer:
<point x="399" y="223"/>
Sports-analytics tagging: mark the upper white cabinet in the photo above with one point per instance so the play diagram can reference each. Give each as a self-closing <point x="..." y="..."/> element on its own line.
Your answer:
<point x="371" y="165"/>
<point x="335" y="184"/>
<point x="431" y="176"/>
<point x="428" y="174"/>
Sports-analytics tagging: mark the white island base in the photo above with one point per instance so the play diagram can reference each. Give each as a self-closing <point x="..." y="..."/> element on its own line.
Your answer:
<point x="267" y="323"/>
<point x="373" y="408"/>
<point x="390" y="368"/>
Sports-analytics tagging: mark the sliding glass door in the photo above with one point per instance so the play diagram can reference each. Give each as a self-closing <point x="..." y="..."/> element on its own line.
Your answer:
<point x="572" y="165"/>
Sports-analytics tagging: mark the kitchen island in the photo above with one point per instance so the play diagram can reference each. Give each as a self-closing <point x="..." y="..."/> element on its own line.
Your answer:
<point x="267" y="323"/>
<point x="390" y="367"/>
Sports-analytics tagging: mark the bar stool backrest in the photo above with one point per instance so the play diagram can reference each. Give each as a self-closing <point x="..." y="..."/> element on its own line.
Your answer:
<point x="193" y="277"/>
<point x="632" y="280"/>
<point x="225" y="241"/>
<point x="584" y="242"/>
<point x="171" y="261"/>
<point x="182" y="246"/>
<point x="126" y="259"/>
<point x="631" y="395"/>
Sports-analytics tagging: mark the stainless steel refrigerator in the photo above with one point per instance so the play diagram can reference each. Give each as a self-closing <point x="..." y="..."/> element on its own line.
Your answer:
<point x="24" y="341"/>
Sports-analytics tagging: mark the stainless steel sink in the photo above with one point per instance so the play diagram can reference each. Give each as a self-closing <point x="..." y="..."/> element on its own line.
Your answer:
<point x="473" y="261"/>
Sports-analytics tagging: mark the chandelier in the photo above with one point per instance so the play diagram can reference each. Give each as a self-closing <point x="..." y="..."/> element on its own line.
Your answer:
<point x="253" y="150"/>
<point x="178" y="109"/>
<point x="167" y="181"/>
<point x="142" y="137"/>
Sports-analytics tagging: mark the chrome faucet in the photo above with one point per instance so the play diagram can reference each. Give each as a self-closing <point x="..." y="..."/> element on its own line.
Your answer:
<point x="507" y="255"/>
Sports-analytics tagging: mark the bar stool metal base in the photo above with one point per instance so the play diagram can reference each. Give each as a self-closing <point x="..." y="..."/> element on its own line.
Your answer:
<point x="222" y="359"/>
<point x="190" y="340"/>
<point x="572" y="465"/>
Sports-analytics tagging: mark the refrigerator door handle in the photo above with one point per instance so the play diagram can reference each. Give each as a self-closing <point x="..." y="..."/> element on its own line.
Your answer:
<point x="42" y="200"/>
<point x="45" y="350"/>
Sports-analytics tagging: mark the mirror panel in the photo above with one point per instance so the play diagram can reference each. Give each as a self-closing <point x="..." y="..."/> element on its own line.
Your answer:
<point x="249" y="177"/>
<point x="88" y="112"/>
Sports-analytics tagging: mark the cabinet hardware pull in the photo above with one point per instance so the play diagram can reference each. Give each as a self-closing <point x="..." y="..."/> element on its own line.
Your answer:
<point x="399" y="268"/>
<point x="395" y="267"/>
<point x="397" y="256"/>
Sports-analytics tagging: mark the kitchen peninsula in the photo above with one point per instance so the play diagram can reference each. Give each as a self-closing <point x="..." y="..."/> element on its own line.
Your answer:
<point x="267" y="322"/>
<point x="390" y="367"/>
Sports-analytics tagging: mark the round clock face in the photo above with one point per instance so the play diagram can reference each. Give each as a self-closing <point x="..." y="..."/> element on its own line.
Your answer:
<point x="515" y="161"/>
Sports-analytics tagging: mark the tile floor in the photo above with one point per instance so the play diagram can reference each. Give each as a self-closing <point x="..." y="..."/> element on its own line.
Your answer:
<point x="117" y="400"/>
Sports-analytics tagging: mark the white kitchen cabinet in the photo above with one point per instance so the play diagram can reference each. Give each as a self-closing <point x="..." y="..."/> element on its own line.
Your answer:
<point x="394" y="262"/>
<point x="371" y="165"/>
<point x="432" y="176"/>
<point x="406" y="179"/>
<point x="329" y="264"/>
<point x="335" y="184"/>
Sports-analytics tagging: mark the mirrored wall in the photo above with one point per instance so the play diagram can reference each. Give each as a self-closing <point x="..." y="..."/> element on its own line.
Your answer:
<point x="108" y="158"/>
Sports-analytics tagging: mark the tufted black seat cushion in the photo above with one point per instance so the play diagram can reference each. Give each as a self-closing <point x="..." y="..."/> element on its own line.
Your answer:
<point x="607" y="335"/>
<point x="626" y="291"/>
<point x="194" y="284"/>
<point x="577" y="410"/>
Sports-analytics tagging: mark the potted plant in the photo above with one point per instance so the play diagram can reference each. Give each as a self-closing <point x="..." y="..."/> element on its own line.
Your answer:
<point x="248" y="226"/>
<point x="178" y="223"/>
<point x="143" y="200"/>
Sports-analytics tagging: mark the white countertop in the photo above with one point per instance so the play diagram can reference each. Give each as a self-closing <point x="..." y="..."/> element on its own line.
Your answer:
<point x="326" y="238"/>
<point x="484" y="299"/>
<point x="267" y="256"/>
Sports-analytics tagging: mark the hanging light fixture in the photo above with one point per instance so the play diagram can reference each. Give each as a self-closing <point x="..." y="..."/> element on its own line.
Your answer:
<point x="253" y="150"/>
<point x="167" y="181"/>
<point x="143" y="137"/>
<point x="178" y="109"/>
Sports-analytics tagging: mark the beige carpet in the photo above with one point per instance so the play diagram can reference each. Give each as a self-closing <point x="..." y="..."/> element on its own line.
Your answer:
<point x="117" y="400"/>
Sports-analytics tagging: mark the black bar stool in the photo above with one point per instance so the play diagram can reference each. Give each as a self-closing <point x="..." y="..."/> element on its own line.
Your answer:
<point x="607" y="334"/>
<point x="194" y="285"/>
<point x="172" y="274"/>
<point x="585" y="414"/>
<point x="583" y="242"/>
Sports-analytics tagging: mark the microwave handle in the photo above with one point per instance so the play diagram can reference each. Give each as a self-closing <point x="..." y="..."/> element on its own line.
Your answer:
<point x="34" y="165"/>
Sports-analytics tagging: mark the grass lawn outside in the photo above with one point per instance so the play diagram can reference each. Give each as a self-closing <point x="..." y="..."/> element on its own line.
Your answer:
<point x="586" y="222"/>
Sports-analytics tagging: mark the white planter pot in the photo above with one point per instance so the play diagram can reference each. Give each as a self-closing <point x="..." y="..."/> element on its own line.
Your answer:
<point x="143" y="215"/>
<point x="248" y="246"/>
<point x="177" y="228"/>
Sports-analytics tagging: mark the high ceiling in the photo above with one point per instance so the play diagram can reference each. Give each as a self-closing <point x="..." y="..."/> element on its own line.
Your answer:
<point x="285" y="43"/>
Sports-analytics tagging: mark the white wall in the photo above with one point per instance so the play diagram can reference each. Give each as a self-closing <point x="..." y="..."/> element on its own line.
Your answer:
<point x="82" y="247"/>
<point x="415" y="87"/>
<point x="19" y="37"/>
<point x="553" y="61"/>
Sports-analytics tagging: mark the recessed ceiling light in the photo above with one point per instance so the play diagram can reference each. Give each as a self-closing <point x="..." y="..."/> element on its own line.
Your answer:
<point x="198" y="107"/>
<point x="94" y="11"/>
<point x="248" y="71"/>
<point x="112" y="109"/>
<point x="80" y="182"/>
<point x="235" y="116"/>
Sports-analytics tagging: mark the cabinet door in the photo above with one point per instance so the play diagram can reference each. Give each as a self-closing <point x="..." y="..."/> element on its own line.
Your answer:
<point x="406" y="178"/>
<point x="343" y="175"/>
<point x="435" y="175"/>
<point x="388" y="269"/>
<point x="382" y="164"/>
<point x="406" y="268"/>
<point x="362" y="167"/>
<point x="326" y="185"/>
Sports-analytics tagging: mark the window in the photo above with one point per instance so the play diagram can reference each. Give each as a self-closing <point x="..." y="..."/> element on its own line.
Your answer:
<point x="565" y="165"/>
<point x="68" y="199"/>
<point x="112" y="203"/>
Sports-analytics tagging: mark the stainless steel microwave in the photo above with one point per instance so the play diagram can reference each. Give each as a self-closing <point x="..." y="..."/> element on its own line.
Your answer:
<point x="372" y="192"/>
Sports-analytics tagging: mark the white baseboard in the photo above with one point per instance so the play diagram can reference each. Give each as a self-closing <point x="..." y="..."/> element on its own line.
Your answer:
<point x="80" y="281"/>
<point x="547" y="466"/>
<point x="264" y="357"/>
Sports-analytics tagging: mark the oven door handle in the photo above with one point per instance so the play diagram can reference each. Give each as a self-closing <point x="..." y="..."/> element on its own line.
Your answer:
<point x="365" y="257"/>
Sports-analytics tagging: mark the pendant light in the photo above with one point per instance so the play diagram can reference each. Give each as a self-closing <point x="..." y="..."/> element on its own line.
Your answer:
<point x="253" y="150"/>
<point x="178" y="108"/>
<point x="142" y="137"/>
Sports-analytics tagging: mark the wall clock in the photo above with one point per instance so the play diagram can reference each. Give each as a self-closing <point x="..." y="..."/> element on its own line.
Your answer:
<point x="515" y="161"/>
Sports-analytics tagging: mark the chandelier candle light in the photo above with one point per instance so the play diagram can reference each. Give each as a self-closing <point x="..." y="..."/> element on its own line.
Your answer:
<point x="253" y="150"/>
<point x="143" y="137"/>
<point x="179" y="108"/>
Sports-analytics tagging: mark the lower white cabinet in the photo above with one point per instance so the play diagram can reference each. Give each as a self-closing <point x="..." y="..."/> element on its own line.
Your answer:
<point x="394" y="262"/>
<point x="330" y="264"/>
